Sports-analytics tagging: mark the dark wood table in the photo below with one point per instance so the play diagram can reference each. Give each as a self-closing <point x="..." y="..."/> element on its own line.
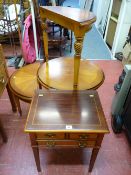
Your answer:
<point x="66" y="118"/>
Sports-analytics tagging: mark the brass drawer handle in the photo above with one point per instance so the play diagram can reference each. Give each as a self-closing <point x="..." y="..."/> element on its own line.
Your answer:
<point x="50" y="135"/>
<point x="82" y="144"/>
<point x="50" y="144"/>
<point x="2" y="80"/>
<point x="83" y="136"/>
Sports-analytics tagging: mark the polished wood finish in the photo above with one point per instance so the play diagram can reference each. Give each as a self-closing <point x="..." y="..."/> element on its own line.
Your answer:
<point x="4" y="77"/>
<point x="24" y="80"/>
<point x="23" y="83"/>
<point x="77" y="20"/>
<point x="66" y="118"/>
<point x="59" y="74"/>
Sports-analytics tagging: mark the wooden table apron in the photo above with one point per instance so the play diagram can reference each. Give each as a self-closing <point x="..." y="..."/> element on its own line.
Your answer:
<point x="66" y="118"/>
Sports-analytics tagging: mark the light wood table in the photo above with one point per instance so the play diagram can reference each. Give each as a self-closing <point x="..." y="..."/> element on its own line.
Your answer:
<point x="23" y="83"/>
<point x="83" y="74"/>
<point x="66" y="119"/>
<point x="58" y="73"/>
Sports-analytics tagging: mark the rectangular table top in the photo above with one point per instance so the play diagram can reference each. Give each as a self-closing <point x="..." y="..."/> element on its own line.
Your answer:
<point x="66" y="111"/>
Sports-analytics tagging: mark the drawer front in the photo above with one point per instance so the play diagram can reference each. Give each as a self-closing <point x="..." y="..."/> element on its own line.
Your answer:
<point x="82" y="136"/>
<point x="68" y="143"/>
<point x="50" y="136"/>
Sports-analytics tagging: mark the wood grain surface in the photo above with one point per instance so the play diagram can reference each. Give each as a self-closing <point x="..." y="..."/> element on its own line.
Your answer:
<point x="59" y="74"/>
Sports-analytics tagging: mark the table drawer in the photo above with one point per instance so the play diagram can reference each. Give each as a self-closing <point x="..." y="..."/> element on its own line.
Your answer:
<point x="69" y="143"/>
<point x="50" y="136"/>
<point x="82" y="136"/>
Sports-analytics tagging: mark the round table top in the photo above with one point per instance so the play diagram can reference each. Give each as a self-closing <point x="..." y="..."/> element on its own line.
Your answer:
<point x="23" y="81"/>
<point x="59" y="74"/>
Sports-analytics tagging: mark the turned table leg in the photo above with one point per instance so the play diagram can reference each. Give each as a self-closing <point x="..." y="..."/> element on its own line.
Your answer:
<point x="77" y="57"/>
<point x="45" y="39"/>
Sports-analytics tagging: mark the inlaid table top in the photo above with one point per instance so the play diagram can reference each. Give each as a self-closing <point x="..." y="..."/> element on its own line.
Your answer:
<point x="66" y="111"/>
<point x="66" y="118"/>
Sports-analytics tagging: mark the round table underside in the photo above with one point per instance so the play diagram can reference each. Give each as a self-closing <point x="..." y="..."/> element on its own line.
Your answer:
<point x="59" y="74"/>
<point x="23" y="82"/>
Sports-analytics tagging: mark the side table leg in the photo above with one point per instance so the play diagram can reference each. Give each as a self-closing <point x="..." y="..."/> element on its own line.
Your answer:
<point x="95" y="151"/>
<point x="78" y="49"/>
<point x="45" y="39"/>
<point x="17" y="101"/>
<point x="3" y="133"/>
<point x="11" y="97"/>
<point x="40" y="87"/>
<point x="35" y="150"/>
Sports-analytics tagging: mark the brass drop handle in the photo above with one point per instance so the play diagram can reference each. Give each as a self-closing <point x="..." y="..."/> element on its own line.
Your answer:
<point x="82" y="144"/>
<point x="83" y="136"/>
<point x="50" y="135"/>
<point x="2" y="80"/>
<point x="50" y="144"/>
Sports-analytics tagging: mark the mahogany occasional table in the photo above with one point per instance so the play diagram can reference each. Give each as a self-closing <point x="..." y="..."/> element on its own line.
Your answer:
<point x="69" y="73"/>
<point x="66" y="118"/>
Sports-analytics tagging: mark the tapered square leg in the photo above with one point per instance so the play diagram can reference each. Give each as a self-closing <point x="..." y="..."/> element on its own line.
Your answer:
<point x="35" y="150"/>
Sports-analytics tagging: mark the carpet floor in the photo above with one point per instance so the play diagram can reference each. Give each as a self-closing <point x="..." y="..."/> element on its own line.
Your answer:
<point x="16" y="156"/>
<point x="94" y="47"/>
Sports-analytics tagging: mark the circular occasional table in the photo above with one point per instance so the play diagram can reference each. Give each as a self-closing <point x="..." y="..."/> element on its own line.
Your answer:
<point x="59" y="74"/>
<point x="23" y="83"/>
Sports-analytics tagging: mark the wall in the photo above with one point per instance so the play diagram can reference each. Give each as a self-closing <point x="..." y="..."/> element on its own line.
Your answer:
<point x="123" y="25"/>
<point x="81" y="3"/>
<point x="96" y="9"/>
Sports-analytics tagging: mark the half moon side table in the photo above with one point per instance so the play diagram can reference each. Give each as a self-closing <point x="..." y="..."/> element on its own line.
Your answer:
<point x="69" y="73"/>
